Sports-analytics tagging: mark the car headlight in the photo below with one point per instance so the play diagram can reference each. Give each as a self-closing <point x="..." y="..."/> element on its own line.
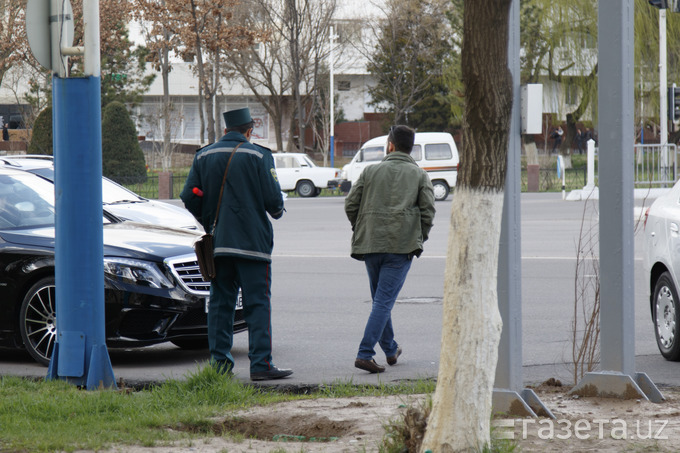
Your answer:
<point x="135" y="272"/>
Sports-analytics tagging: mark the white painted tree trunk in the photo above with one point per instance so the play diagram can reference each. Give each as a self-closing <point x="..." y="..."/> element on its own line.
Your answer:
<point x="461" y="412"/>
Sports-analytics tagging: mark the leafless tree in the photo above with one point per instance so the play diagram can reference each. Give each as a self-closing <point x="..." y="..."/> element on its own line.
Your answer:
<point x="205" y="29"/>
<point x="288" y="62"/>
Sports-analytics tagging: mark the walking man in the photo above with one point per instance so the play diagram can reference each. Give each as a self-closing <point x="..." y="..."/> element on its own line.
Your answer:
<point x="243" y="239"/>
<point x="391" y="209"/>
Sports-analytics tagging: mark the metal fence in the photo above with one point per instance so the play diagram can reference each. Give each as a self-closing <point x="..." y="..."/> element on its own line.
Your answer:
<point x="656" y="164"/>
<point x="548" y="181"/>
<point x="149" y="188"/>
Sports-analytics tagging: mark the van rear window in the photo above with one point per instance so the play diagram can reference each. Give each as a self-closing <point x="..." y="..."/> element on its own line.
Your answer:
<point x="417" y="152"/>
<point x="373" y="153"/>
<point x="438" y="151"/>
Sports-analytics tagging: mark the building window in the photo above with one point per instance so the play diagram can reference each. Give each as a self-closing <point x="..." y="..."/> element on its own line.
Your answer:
<point x="344" y="85"/>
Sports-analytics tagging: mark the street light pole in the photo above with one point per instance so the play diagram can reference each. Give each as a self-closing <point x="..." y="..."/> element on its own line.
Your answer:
<point x="332" y="126"/>
<point x="663" y="80"/>
<point x="80" y="355"/>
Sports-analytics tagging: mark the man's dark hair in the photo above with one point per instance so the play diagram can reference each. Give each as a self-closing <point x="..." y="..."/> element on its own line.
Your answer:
<point x="402" y="137"/>
<point x="242" y="128"/>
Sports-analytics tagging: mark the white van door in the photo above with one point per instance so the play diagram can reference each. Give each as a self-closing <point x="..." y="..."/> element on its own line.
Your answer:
<point x="364" y="157"/>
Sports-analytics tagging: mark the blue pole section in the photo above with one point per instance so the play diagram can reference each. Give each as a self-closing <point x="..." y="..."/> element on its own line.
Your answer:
<point x="332" y="151"/>
<point x="80" y="355"/>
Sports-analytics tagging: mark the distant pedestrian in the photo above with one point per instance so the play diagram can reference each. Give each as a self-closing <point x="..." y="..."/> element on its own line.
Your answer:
<point x="391" y="209"/>
<point x="578" y="139"/>
<point x="557" y="138"/>
<point x="5" y="132"/>
<point x="589" y="136"/>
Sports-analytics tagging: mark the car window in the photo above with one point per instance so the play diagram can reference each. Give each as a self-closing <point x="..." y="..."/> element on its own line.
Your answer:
<point x="373" y="154"/>
<point x="113" y="193"/>
<point x="25" y="201"/>
<point x="438" y="151"/>
<point x="417" y="152"/>
<point x="308" y="161"/>
<point x="286" y="162"/>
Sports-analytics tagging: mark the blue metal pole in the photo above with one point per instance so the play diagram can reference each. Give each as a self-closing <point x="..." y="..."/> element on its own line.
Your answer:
<point x="332" y="151"/>
<point x="80" y="355"/>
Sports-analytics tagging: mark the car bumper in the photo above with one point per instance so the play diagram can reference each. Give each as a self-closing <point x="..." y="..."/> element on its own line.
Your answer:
<point x="135" y="319"/>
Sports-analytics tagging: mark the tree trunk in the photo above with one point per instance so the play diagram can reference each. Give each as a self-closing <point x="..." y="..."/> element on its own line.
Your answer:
<point x="209" y="93"/>
<point x="167" y="135"/>
<point x="461" y="411"/>
<point x="471" y="330"/>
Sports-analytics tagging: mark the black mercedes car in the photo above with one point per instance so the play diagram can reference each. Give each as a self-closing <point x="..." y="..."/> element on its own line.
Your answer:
<point x="154" y="291"/>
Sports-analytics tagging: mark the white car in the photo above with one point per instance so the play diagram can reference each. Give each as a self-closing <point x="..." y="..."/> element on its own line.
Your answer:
<point x="297" y="172"/>
<point x="118" y="200"/>
<point x="661" y="259"/>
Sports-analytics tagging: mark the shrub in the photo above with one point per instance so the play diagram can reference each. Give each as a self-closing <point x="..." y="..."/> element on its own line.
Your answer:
<point x="41" y="139"/>
<point x="122" y="157"/>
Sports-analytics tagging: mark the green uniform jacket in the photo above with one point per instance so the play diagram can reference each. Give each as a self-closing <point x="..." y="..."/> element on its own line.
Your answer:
<point x="391" y="207"/>
<point x="251" y="191"/>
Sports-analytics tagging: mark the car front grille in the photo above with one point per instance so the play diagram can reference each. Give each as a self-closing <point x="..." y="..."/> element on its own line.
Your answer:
<point x="185" y="269"/>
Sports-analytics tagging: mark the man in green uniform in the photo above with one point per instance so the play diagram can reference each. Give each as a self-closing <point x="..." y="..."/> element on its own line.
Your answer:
<point x="243" y="239"/>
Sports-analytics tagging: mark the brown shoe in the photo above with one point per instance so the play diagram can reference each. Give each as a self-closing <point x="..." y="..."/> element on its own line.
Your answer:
<point x="393" y="360"/>
<point x="368" y="365"/>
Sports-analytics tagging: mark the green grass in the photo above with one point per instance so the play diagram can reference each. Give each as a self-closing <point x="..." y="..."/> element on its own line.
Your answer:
<point x="46" y="416"/>
<point x="42" y="416"/>
<point x="56" y="416"/>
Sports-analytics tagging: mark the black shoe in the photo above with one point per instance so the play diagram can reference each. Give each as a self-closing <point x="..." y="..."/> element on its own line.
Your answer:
<point x="273" y="373"/>
<point x="393" y="360"/>
<point x="369" y="365"/>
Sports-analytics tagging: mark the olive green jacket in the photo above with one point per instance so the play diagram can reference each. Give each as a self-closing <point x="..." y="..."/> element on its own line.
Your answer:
<point x="391" y="207"/>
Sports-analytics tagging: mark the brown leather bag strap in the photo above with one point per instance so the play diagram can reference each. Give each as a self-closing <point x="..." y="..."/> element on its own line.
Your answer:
<point x="224" y="179"/>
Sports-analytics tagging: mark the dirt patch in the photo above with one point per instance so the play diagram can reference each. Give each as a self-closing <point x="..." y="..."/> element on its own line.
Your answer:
<point x="581" y="424"/>
<point x="313" y="428"/>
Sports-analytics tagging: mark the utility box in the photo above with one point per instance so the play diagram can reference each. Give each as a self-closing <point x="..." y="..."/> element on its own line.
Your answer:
<point x="532" y="108"/>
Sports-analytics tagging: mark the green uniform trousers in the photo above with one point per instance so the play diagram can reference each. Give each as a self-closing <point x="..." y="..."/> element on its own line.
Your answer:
<point x="254" y="279"/>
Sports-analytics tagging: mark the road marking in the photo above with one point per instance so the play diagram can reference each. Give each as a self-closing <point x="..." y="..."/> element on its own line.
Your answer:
<point x="438" y="257"/>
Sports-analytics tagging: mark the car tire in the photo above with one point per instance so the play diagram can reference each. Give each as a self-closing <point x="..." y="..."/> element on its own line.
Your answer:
<point x="665" y="314"/>
<point x="191" y="343"/>
<point x="441" y="190"/>
<point x="38" y="320"/>
<point x="305" y="189"/>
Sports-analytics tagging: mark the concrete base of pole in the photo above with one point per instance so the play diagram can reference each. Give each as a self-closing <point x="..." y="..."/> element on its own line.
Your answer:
<point x="612" y="384"/>
<point x="528" y="404"/>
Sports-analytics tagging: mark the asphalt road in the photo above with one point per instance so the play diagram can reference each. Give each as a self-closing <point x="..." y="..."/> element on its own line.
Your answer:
<point x="321" y="301"/>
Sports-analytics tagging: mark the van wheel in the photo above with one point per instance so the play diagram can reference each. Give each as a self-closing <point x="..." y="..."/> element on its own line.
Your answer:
<point x="441" y="190"/>
<point x="305" y="189"/>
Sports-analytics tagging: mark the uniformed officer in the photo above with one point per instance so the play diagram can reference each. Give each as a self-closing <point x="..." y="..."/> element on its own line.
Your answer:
<point x="243" y="239"/>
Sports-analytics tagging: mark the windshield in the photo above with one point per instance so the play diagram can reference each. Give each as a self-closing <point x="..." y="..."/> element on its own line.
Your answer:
<point x="25" y="201"/>
<point x="112" y="193"/>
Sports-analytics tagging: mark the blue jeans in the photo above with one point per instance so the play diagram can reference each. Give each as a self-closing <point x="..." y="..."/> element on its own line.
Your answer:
<point x="386" y="275"/>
